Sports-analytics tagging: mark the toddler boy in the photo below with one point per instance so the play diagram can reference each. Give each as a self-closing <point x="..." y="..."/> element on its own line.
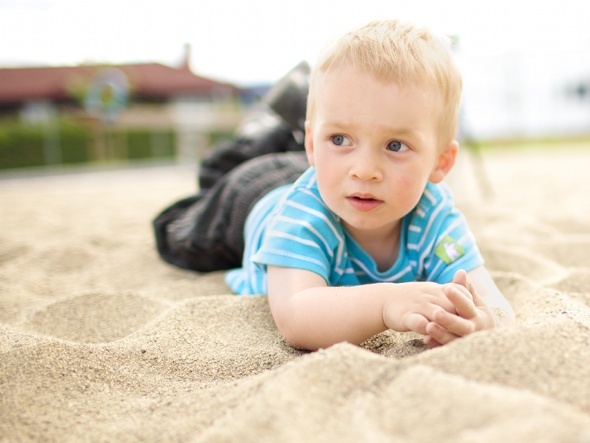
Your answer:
<point x="367" y="238"/>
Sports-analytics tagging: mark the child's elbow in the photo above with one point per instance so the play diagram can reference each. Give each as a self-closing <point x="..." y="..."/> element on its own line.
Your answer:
<point x="292" y="332"/>
<point x="293" y="336"/>
<point x="297" y="343"/>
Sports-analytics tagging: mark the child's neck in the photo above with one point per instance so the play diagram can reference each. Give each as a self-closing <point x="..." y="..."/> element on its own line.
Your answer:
<point x="382" y="247"/>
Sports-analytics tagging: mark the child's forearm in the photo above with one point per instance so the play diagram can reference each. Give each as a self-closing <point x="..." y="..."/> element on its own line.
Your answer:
<point x="322" y="316"/>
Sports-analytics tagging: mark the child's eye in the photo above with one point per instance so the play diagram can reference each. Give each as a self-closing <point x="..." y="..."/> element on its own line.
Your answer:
<point x="340" y="140"/>
<point x="396" y="146"/>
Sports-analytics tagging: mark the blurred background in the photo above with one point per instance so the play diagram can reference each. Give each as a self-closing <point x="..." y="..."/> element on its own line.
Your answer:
<point x="84" y="81"/>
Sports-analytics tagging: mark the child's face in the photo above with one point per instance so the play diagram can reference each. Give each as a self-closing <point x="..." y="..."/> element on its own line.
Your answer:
<point x="374" y="145"/>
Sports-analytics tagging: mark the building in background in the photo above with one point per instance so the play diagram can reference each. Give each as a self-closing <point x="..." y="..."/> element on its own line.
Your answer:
<point x="147" y="96"/>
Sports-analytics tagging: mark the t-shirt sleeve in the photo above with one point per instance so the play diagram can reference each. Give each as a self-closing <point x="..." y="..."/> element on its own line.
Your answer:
<point x="446" y="243"/>
<point x="302" y="234"/>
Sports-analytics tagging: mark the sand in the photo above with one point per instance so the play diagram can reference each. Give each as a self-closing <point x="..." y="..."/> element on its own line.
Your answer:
<point x="102" y="341"/>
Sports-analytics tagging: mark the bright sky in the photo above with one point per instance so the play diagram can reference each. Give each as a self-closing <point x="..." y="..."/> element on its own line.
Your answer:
<point x="251" y="41"/>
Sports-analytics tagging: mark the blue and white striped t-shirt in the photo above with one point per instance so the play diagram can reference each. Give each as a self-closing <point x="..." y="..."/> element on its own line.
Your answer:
<point x="292" y="227"/>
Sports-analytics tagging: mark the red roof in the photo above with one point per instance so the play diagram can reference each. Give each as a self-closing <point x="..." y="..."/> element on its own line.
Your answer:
<point x="148" y="81"/>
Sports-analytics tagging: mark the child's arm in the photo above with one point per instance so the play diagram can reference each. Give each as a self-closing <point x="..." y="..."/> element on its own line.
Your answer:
<point x="311" y="315"/>
<point x="479" y="305"/>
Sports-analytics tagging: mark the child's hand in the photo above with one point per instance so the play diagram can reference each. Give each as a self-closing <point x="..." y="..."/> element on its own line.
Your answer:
<point x="472" y="313"/>
<point x="414" y="306"/>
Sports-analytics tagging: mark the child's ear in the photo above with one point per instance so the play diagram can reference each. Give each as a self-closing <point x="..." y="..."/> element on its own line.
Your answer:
<point x="309" y="142"/>
<point x="445" y="162"/>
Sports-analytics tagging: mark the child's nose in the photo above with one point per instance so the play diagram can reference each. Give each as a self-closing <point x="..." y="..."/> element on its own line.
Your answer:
<point x="367" y="166"/>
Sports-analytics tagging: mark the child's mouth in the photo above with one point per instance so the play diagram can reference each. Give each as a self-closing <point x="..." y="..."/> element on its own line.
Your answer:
<point x="363" y="203"/>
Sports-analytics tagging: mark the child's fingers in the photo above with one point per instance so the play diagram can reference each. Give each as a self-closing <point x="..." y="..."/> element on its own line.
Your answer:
<point x="431" y="342"/>
<point x="415" y="322"/>
<point x="460" y="278"/>
<point x="463" y="303"/>
<point x="453" y="324"/>
<point x="439" y="334"/>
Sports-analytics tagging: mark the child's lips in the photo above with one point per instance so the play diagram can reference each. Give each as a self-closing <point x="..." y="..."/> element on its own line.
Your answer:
<point x="363" y="202"/>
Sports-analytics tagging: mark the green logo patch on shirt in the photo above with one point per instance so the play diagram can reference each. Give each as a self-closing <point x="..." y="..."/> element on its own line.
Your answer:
<point x="448" y="250"/>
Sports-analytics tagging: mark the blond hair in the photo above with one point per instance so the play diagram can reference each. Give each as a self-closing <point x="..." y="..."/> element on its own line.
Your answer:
<point x="402" y="53"/>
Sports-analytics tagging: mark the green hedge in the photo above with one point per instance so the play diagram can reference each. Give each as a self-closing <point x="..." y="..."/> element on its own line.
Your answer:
<point x="66" y="142"/>
<point x="20" y="147"/>
<point x="74" y="142"/>
<point x="147" y="144"/>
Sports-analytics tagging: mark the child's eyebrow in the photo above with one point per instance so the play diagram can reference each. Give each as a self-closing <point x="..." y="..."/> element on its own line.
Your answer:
<point x="404" y="132"/>
<point x="407" y="132"/>
<point x="336" y="124"/>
